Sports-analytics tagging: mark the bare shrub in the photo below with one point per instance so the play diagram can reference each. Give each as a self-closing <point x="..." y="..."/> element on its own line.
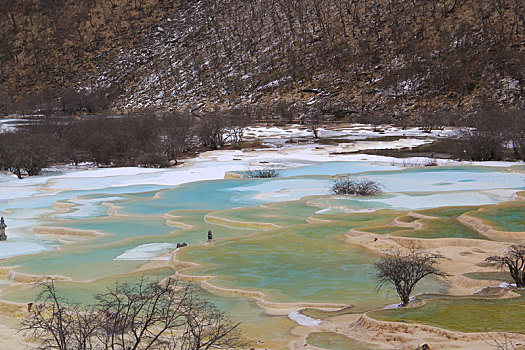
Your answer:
<point x="481" y="145"/>
<point x="263" y="173"/>
<point x="431" y="162"/>
<point x="237" y="121"/>
<point x="356" y="187"/>
<point x="497" y="135"/>
<point x="211" y="130"/>
<point x="413" y="163"/>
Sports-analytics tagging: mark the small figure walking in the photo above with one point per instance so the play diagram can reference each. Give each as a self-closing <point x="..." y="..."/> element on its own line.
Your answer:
<point x="3" y="236"/>
<point x="210" y="236"/>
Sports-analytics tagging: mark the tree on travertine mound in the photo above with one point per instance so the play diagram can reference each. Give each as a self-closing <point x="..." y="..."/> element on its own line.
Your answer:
<point x="513" y="261"/>
<point x="137" y="315"/>
<point x="404" y="269"/>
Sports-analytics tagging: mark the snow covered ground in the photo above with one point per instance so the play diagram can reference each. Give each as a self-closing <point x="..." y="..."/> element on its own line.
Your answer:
<point x="303" y="320"/>
<point x="279" y="135"/>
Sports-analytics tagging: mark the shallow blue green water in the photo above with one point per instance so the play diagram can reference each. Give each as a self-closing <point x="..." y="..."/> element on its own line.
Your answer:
<point x="334" y="341"/>
<point x="204" y="195"/>
<point x="466" y="314"/>
<point x="82" y="293"/>
<point x="494" y="276"/>
<point x="305" y="261"/>
<point x="118" y="228"/>
<point x="121" y="234"/>
<point x="337" y="168"/>
<point x="510" y="217"/>
<point x="45" y="200"/>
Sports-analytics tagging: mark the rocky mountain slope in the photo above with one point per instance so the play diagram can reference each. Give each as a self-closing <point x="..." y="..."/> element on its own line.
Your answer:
<point x="393" y="57"/>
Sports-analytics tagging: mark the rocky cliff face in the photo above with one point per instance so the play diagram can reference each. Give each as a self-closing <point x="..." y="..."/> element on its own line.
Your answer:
<point x="394" y="57"/>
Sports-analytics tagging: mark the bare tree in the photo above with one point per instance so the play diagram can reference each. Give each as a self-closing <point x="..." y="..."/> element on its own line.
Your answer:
<point x="404" y="269"/>
<point x="513" y="261"/>
<point x="25" y="152"/>
<point x="313" y="120"/>
<point x="56" y="324"/>
<point x="237" y="122"/>
<point x="207" y="327"/>
<point x="139" y="315"/>
<point x="211" y="130"/>
<point x="481" y="145"/>
<point x="176" y="134"/>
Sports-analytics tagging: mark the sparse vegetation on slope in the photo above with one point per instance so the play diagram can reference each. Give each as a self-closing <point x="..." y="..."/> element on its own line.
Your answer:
<point x="394" y="58"/>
